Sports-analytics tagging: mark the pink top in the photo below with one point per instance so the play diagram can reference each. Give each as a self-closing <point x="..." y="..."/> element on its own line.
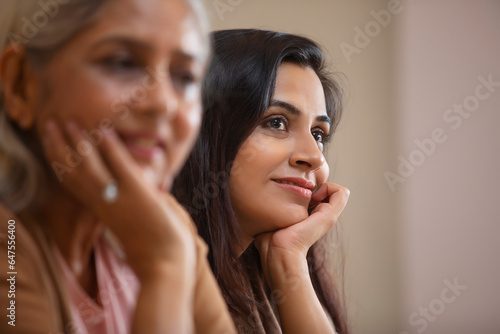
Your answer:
<point x="118" y="288"/>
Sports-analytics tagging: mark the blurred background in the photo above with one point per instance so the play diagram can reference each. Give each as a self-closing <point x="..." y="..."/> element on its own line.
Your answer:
<point x="419" y="147"/>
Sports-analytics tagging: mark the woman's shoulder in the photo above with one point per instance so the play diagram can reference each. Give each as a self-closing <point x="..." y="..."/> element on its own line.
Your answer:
<point x="27" y="282"/>
<point x="15" y="234"/>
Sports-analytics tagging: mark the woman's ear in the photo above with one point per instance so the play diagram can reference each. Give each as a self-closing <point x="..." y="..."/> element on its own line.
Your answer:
<point x="17" y="77"/>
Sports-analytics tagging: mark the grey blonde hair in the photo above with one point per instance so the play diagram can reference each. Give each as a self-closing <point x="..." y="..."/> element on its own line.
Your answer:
<point x="41" y="27"/>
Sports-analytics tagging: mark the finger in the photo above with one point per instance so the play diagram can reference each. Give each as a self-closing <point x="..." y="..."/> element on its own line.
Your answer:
<point x="60" y="154"/>
<point x="261" y="242"/>
<point x="320" y="195"/>
<point x="118" y="159"/>
<point x="70" y="167"/>
<point x="88" y="176"/>
<point x="324" y="191"/>
<point x="325" y="215"/>
<point x="337" y="198"/>
<point x="92" y="165"/>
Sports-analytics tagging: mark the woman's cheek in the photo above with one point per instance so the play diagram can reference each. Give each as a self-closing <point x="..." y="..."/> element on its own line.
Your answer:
<point x="193" y="116"/>
<point x="192" y="94"/>
<point x="323" y="173"/>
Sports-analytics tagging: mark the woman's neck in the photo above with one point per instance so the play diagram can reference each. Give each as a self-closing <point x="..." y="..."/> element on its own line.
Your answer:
<point x="244" y="241"/>
<point x="74" y="230"/>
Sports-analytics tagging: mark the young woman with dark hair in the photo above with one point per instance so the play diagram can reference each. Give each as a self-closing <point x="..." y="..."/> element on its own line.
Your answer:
<point x="255" y="183"/>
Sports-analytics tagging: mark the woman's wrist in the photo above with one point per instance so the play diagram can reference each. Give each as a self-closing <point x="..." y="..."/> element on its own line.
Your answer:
<point x="298" y="305"/>
<point x="179" y="271"/>
<point x="168" y="261"/>
<point x="286" y="270"/>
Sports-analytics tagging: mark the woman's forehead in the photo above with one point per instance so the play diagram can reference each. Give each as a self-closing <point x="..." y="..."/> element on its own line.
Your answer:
<point x="301" y="87"/>
<point x="163" y="25"/>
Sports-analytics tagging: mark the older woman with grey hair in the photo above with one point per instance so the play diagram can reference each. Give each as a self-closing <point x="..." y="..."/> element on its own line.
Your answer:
<point x="99" y="108"/>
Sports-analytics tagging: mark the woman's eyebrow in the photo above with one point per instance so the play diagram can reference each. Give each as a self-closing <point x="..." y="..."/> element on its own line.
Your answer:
<point x="324" y="119"/>
<point x="296" y="111"/>
<point x="134" y="43"/>
<point x="124" y="40"/>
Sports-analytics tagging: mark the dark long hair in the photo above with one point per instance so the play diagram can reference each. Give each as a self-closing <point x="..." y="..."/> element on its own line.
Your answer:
<point x="237" y="91"/>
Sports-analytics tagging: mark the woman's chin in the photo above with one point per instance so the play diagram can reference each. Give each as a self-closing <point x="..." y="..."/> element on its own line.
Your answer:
<point x="260" y="220"/>
<point x="289" y="216"/>
<point x="156" y="179"/>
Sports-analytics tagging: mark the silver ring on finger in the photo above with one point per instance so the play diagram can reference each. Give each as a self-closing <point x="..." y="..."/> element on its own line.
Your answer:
<point x="110" y="192"/>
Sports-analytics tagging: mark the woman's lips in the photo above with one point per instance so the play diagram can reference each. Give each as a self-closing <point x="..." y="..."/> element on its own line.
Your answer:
<point x="143" y="147"/>
<point x="303" y="191"/>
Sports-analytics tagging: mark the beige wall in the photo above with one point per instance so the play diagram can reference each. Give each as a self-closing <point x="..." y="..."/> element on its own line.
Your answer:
<point x="442" y="222"/>
<point x="450" y="220"/>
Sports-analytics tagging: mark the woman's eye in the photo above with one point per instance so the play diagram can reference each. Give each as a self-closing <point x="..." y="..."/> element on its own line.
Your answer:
<point x="319" y="136"/>
<point x="183" y="79"/>
<point x="277" y="123"/>
<point x="120" y="64"/>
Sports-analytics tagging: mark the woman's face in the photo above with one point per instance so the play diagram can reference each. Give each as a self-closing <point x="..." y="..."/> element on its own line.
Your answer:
<point x="137" y="68"/>
<point x="281" y="163"/>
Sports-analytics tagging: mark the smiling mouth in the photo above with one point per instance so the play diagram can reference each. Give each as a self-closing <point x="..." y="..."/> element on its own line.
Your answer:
<point x="142" y="147"/>
<point x="295" y="188"/>
<point x="290" y="183"/>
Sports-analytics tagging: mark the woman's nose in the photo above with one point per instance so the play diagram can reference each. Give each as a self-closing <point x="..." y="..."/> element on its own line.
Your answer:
<point x="307" y="153"/>
<point x="159" y="96"/>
